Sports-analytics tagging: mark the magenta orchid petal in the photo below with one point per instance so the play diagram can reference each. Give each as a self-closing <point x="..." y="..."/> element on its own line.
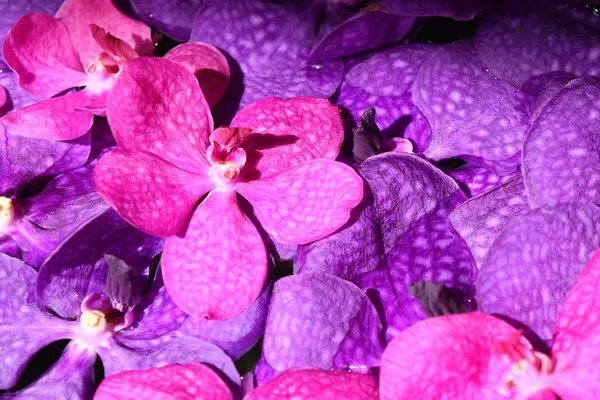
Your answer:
<point x="305" y="202"/>
<point x="114" y="46"/>
<point x="286" y="132"/>
<point x="209" y="66"/>
<point x="38" y="48"/>
<point x="3" y="96"/>
<point x="313" y="383"/>
<point x="157" y="106"/>
<point x="218" y="268"/>
<point x="16" y="97"/>
<point x="58" y="118"/>
<point x="77" y="15"/>
<point x="150" y="193"/>
<point x="443" y="358"/>
<point x="11" y="11"/>
<point x="175" y="382"/>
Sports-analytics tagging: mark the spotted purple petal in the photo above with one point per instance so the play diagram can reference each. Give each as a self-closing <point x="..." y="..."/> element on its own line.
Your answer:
<point x="475" y="180"/>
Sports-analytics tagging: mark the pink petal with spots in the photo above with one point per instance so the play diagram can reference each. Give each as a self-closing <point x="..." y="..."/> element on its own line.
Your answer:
<point x="39" y="49"/>
<point x="58" y="118"/>
<point x="218" y="268"/>
<point x="77" y="15"/>
<point x="286" y="132"/>
<point x="172" y="382"/>
<point x="305" y="202"/>
<point x="112" y="45"/>
<point x="150" y="193"/>
<point x="312" y="383"/>
<point x="576" y="335"/>
<point x="209" y="66"/>
<point x="156" y="105"/>
<point x="443" y="358"/>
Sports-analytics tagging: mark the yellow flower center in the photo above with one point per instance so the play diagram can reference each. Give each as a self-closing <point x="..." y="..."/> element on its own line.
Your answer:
<point x="7" y="210"/>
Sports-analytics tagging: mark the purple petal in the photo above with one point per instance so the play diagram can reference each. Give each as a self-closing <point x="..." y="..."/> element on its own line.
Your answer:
<point x="561" y="161"/>
<point x="263" y="372"/>
<point x="470" y="111"/>
<point x="482" y="219"/>
<point x="322" y="321"/>
<point x="457" y="9"/>
<point x="172" y="17"/>
<point x="476" y="180"/>
<point x="534" y="262"/>
<point x="17" y="98"/>
<point x="236" y="335"/>
<point x="550" y="90"/>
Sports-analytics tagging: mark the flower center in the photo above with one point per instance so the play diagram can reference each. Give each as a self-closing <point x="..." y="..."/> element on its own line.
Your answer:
<point x="93" y="320"/>
<point x="229" y="171"/>
<point x="7" y="212"/>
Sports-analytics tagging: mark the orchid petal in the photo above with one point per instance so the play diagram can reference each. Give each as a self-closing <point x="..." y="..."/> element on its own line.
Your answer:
<point x="172" y="17"/>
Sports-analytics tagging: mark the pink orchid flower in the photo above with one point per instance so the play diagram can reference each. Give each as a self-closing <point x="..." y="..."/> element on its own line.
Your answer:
<point x="85" y="45"/>
<point x="278" y="154"/>
<point x="172" y="382"/>
<point x="478" y="356"/>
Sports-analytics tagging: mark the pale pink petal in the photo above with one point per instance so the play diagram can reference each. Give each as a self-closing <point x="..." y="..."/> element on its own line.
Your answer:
<point x="39" y="49"/>
<point x="112" y="45"/>
<point x="305" y="202"/>
<point x="208" y="64"/>
<point x="443" y="358"/>
<point x="57" y="118"/>
<point x="576" y="336"/>
<point x="312" y="383"/>
<point x="219" y="267"/>
<point x="151" y="194"/>
<point x="77" y="15"/>
<point x="286" y="132"/>
<point x="156" y="105"/>
<point x="172" y="382"/>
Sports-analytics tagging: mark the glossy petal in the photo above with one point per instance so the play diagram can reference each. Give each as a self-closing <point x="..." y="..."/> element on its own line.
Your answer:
<point x="520" y="47"/>
<point x="458" y="346"/>
<point x="305" y="202"/>
<point x="457" y="9"/>
<point x="172" y="382"/>
<point x="38" y="48"/>
<point x="322" y="321"/>
<point x="312" y="383"/>
<point x="207" y="64"/>
<point x="58" y="118"/>
<point x="470" y="111"/>
<point x="534" y="262"/>
<point x="218" y="268"/>
<point x="286" y="132"/>
<point x="157" y="106"/>
<point x="24" y="327"/>
<point x="561" y="161"/>
<point x="482" y="219"/>
<point x="475" y="180"/>
<point x="77" y="15"/>
<point x="172" y="17"/>
<point x="150" y="193"/>
<point x="236" y="335"/>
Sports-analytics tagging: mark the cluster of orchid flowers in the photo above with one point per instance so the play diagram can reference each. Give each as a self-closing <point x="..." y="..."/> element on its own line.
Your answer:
<point x="437" y="202"/>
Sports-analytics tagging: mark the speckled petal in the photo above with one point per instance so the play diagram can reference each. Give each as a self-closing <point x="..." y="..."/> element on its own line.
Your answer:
<point x="575" y="333"/>
<point x="271" y="43"/>
<point x="77" y="15"/>
<point x="171" y="382"/>
<point x="312" y="383"/>
<point x="150" y="193"/>
<point x="157" y="106"/>
<point x="305" y="202"/>
<point x="72" y="377"/>
<point x="561" y="157"/>
<point x="520" y="47"/>
<point x="443" y="358"/>
<point x="39" y="49"/>
<point x="482" y="219"/>
<point x="24" y="327"/>
<point x="219" y="266"/>
<point x="236" y="335"/>
<point x="550" y="90"/>
<point x="534" y="262"/>
<point x="207" y="64"/>
<point x="322" y="321"/>
<point x="470" y="111"/>
<point x="77" y="268"/>
<point x="457" y="9"/>
<point x="286" y="132"/>
<point x="474" y="180"/>
<point x="173" y="17"/>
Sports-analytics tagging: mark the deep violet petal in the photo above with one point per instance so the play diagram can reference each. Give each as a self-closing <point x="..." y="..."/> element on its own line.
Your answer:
<point x="173" y="17"/>
<point x="457" y="9"/>
<point x="474" y="180"/>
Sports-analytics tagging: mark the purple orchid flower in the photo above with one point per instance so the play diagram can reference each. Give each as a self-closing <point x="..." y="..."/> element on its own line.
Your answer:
<point x="86" y="44"/>
<point x="312" y="383"/>
<point x="483" y="357"/>
<point x="277" y="154"/>
<point x="398" y="237"/>
<point x="177" y="382"/>
<point x="112" y="319"/>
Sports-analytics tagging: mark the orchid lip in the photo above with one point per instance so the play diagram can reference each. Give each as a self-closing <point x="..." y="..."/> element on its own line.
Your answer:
<point x="7" y="213"/>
